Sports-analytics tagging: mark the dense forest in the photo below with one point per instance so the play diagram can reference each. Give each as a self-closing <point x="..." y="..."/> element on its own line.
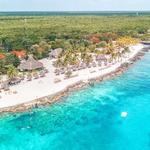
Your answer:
<point x="41" y="34"/>
<point x="22" y="32"/>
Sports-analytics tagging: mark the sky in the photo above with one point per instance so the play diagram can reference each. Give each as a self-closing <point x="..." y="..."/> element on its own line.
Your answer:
<point x="74" y="5"/>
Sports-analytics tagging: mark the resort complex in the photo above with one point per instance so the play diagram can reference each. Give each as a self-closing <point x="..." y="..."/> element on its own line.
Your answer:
<point x="81" y="61"/>
<point x="74" y="80"/>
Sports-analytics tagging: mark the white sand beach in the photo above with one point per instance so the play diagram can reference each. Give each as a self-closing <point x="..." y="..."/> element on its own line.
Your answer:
<point x="27" y="91"/>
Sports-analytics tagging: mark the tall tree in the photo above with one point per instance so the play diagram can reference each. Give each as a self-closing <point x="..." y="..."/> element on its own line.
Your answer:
<point x="12" y="71"/>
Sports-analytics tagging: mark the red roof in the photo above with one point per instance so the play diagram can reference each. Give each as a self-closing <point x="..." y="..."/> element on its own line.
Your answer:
<point x="19" y="54"/>
<point x="2" y="56"/>
<point x="95" y="40"/>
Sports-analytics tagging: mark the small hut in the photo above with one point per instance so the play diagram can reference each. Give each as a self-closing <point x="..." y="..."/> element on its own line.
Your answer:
<point x="101" y="58"/>
<point x="14" y="81"/>
<point x="4" y="85"/>
<point x="30" y="64"/>
<point x="55" y="53"/>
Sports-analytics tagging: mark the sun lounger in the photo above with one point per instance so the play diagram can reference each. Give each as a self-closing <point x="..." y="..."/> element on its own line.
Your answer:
<point x="56" y="80"/>
<point x="57" y="73"/>
<point x="29" y="78"/>
<point x="92" y="71"/>
<point x="36" y="76"/>
<point x="94" y="64"/>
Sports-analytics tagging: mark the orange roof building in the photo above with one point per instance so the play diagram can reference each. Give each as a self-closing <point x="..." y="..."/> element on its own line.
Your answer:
<point x="94" y="38"/>
<point x="2" y="56"/>
<point x="20" y="54"/>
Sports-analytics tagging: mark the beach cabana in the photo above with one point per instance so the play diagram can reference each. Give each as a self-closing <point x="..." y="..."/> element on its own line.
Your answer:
<point x="30" y="64"/>
<point x="4" y="82"/>
<point x="14" y="81"/>
<point x="4" y="85"/>
<point x="55" y="53"/>
<point x="101" y="58"/>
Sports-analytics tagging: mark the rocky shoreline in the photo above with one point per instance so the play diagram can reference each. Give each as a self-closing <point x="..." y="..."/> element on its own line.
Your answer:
<point x="47" y="100"/>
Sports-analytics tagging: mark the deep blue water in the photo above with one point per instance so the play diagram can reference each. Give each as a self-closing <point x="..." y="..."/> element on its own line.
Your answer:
<point x="89" y="119"/>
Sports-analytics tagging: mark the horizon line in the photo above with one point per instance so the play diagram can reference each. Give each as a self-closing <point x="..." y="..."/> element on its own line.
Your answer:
<point x="75" y="11"/>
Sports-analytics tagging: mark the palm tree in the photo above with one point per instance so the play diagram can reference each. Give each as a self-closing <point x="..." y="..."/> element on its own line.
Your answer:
<point x="127" y="50"/>
<point x="59" y="62"/>
<point x="114" y="56"/>
<point x="12" y="72"/>
<point x="83" y="56"/>
<point x="88" y="59"/>
<point x="110" y="49"/>
<point x="73" y="60"/>
<point x="119" y="56"/>
<point x="92" y="48"/>
<point x="66" y="60"/>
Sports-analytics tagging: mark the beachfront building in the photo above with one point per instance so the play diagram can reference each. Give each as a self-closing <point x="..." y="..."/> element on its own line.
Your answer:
<point x="4" y="82"/>
<point x="30" y="64"/>
<point x="21" y="54"/>
<point x="55" y="53"/>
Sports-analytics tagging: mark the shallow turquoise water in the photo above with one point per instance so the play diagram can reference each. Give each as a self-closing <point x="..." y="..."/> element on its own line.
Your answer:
<point x="88" y="119"/>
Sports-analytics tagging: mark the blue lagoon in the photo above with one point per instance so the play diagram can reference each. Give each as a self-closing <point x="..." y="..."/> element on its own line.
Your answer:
<point x="89" y="119"/>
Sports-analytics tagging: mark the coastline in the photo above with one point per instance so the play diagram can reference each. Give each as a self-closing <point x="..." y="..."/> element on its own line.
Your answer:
<point x="52" y="98"/>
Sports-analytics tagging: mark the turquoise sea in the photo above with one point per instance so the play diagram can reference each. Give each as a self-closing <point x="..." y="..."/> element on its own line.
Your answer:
<point x="89" y="119"/>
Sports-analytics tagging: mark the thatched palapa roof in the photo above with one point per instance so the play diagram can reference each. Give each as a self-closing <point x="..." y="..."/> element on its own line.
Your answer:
<point x="101" y="57"/>
<point x="55" y="53"/>
<point x="30" y="64"/>
<point x="4" y="84"/>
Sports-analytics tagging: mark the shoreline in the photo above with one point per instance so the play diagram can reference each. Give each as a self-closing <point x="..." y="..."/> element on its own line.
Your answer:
<point x="52" y="98"/>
